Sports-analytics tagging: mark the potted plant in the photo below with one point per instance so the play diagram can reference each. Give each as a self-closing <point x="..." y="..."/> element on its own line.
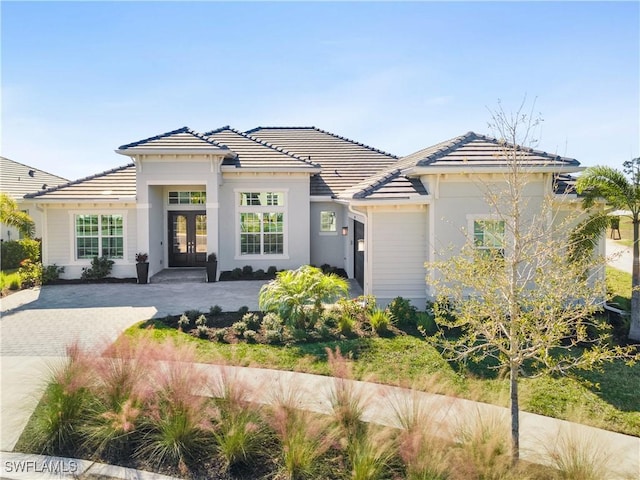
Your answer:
<point x="212" y="267"/>
<point x="142" y="267"/>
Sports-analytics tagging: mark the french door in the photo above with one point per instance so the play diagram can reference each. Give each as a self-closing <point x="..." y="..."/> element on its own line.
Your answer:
<point x="187" y="239"/>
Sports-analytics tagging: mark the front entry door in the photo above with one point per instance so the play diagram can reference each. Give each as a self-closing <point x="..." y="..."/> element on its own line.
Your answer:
<point x="187" y="239"/>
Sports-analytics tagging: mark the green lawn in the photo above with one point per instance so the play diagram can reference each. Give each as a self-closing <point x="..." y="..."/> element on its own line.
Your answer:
<point x="9" y="279"/>
<point x="607" y="400"/>
<point x="619" y="287"/>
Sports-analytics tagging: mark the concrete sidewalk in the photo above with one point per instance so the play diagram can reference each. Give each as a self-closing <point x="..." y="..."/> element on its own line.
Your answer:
<point x="619" y="256"/>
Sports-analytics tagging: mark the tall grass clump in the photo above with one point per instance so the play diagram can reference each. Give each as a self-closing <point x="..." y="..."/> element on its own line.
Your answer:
<point x="240" y="432"/>
<point x="482" y="447"/>
<point x="177" y="426"/>
<point x="56" y="423"/>
<point x="347" y="403"/>
<point x="423" y="445"/>
<point x="304" y="437"/>
<point x="579" y="458"/>
<point x="120" y="393"/>
<point x="371" y="454"/>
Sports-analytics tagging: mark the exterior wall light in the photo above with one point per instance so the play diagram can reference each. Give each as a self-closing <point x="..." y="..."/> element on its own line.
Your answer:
<point x="361" y="245"/>
<point x="345" y="231"/>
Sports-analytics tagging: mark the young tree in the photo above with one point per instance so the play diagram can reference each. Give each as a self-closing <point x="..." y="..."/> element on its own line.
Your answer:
<point x="620" y="193"/>
<point x="12" y="216"/>
<point x="522" y="304"/>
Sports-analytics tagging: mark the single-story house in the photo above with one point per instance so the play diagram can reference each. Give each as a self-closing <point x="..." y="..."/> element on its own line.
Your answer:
<point x="284" y="197"/>
<point x="17" y="180"/>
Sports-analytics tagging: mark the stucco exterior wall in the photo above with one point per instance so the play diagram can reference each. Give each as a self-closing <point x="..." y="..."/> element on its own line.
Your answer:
<point x="296" y="220"/>
<point x="397" y="238"/>
<point x="59" y="238"/>
<point x="328" y="247"/>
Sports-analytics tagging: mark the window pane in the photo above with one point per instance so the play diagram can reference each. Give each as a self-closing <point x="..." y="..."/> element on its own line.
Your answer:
<point x="250" y="244"/>
<point x="173" y="198"/>
<point x="272" y="222"/>
<point x="112" y="247"/>
<point x="87" y="248"/>
<point x="488" y="234"/>
<point x="184" y="198"/>
<point x="273" y="243"/>
<point x="327" y="221"/>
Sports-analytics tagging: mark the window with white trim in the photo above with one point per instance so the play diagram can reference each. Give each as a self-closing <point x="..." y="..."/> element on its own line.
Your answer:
<point x="187" y="198"/>
<point x="327" y="221"/>
<point x="99" y="235"/>
<point x="488" y="236"/>
<point x="262" y="217"/>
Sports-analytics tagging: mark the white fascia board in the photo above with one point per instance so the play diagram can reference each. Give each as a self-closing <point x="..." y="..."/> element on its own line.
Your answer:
<point x="58" y="201"/>
<point x="466" y="169"/>
<point x="232" y="169"/>
<point x="133" y="152"/>
<point x="422" y="200"/>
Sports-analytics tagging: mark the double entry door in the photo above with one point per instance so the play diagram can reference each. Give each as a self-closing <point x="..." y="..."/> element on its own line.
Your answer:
<point x="187" y="239"/>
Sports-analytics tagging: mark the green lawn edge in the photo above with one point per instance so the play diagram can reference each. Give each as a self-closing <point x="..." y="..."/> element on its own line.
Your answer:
<point x="603" y="399"/>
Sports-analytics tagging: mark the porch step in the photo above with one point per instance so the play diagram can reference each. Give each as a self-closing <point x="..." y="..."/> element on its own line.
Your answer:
<point x="180" y="275"/>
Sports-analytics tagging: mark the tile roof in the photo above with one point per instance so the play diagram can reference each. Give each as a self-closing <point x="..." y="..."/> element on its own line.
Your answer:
<point x="17" y="179"/>
<point x="344" y="162"/>
<point x="116" y="184"/>
<point x="470" y="149"/>
<point x="181" y="139"/>
<point x="255" y="153"/>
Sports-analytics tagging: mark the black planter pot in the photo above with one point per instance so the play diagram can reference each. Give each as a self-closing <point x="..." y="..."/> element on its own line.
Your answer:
<point x="143" y="272"/>
<point x="212" y="271"/>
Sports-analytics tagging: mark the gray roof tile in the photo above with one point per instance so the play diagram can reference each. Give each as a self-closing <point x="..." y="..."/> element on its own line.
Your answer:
<point x="344" y="162"/>
<point x="116" y="184"/>
<point x="17" y="179"/>
<point x="255" y="153"/>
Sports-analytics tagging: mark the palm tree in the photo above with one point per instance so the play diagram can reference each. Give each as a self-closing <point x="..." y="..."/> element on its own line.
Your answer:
<point x="12" y="216"/>
<point x="621" y="191"/>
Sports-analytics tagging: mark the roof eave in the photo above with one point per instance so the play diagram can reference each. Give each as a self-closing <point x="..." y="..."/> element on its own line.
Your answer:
<point x="466" y="168"/>
<point x="44" y="199"/>
<point x="134" y="151"/>
<point x="301" y="169"/>
<point x="417" y="200"/>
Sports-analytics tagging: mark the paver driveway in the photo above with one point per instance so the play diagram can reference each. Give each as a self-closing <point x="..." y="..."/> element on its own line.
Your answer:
<point x="37" y="326"/>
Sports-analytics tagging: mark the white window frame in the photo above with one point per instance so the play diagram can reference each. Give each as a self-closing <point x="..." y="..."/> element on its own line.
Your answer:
<point x="73" y="252"/>
<point x="471" y="221"/>
<point x="284" y="209"/>
<point x="335" y="223"/>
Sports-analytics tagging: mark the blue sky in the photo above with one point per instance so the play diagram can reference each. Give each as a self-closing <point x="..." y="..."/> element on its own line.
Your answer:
<point x="80" y="79"/>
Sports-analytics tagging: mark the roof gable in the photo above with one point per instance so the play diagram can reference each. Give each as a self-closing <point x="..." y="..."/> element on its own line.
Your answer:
<point x="472" y="149"/>
<point x="181" y="139"/>
<point x="18" y="179"/>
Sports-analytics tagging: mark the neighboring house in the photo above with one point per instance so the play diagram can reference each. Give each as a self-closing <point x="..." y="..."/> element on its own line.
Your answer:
<point x="286" y="197"/>
<point x="16" y="180"/>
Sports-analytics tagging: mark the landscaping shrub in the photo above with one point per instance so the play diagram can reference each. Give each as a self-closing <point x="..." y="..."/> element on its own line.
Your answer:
<point x="402" y="312"/>
<point x="236" y="273"/>
<point x="247" y="270"/>
<point x="215" y="310"/>
<point x="426" y="323"/>
<point x="30" y="273"/>
<point x="51" y="273"/>
<point x="15" y="251"/>
<point x="100" y="269"/>
<point x="297" y="295"/>
<point x="380" y="320"/>
<point x="243" y="310"/>
<point x="272" y="270"/>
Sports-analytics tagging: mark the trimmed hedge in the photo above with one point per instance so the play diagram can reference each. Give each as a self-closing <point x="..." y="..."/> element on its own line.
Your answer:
<point x="15" y="251"/>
